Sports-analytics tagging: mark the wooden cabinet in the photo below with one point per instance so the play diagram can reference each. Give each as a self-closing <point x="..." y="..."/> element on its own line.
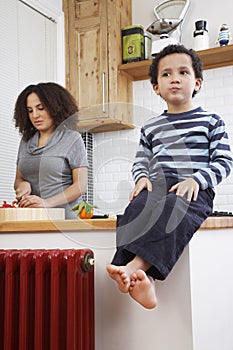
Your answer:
<point x="93" y="54"/>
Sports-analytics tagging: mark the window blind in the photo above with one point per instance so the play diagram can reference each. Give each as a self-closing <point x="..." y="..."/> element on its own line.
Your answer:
<point x="28" y="55"/>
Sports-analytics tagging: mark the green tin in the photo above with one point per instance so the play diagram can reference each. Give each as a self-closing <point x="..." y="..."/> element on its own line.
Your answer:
<point x="132" y="43"/>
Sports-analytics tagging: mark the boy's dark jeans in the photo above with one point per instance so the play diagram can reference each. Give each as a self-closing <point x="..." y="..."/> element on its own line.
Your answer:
<point x="158" y="225"/>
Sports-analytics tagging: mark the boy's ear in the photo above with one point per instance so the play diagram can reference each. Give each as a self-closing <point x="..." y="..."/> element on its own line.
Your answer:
<point x="156" y="89"/>
<point x="198" y="84"/>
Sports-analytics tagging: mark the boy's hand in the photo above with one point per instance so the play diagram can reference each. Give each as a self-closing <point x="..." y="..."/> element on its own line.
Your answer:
<point x="188" y="187"/>
<point x="142" y="183"/>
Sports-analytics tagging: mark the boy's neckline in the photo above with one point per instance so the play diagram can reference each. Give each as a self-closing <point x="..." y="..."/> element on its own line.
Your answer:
<point x="195" y="109"/>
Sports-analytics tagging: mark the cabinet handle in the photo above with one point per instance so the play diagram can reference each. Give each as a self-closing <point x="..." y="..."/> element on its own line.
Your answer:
<point x="103" y="92"/>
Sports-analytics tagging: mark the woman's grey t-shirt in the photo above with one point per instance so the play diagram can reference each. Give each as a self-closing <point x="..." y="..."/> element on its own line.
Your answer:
<point x="49" y="168"/>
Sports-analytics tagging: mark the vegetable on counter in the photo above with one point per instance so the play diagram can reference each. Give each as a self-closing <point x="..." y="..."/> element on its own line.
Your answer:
<point x="14" y="204"/>
<point x="84" y="210"/>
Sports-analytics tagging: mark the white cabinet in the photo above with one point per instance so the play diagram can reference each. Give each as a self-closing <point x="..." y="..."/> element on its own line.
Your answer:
<point x="195" y="304"/>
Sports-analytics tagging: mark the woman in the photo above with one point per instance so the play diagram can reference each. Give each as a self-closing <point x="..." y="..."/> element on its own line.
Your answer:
<point x="51" y="165"/>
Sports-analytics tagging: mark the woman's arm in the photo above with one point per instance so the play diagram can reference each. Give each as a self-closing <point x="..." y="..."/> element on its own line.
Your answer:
<point x="71" y="193"/>
<point x="22" y="187"/>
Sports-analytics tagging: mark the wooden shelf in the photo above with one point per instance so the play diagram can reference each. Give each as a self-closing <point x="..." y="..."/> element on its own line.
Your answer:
<point x="212" y="58"/>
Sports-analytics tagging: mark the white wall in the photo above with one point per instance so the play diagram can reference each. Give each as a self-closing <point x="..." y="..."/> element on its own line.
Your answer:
<point x="114" y="151"/>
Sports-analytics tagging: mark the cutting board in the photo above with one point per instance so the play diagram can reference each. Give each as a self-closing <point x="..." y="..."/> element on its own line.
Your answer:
<point x="28" y="214"/>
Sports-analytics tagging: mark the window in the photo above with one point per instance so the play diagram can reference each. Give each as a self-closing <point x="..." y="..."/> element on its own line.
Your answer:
<point x="28" y="42"/>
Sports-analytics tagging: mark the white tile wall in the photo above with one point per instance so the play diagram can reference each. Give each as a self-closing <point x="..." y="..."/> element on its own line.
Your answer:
<point x="114" y="151"/>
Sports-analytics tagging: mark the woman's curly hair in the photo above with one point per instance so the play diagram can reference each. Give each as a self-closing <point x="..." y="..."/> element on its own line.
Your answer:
<point x="171" y="49"/>
<point x="59" y="103"/>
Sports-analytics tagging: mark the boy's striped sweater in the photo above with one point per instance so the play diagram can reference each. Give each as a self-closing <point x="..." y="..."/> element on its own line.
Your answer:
<point x="190" y="144"/>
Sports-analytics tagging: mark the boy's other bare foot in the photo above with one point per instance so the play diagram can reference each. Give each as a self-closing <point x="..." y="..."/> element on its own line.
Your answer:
<point x="121" y="274"/>
<point x="142" y="289"/>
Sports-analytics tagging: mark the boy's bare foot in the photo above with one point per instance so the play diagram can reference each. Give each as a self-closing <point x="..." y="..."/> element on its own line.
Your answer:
<point x="121" y="274"/>
<point x="142" y="289"/>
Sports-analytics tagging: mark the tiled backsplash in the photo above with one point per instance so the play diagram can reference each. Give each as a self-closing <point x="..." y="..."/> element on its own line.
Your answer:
<point x="114" y="151"/>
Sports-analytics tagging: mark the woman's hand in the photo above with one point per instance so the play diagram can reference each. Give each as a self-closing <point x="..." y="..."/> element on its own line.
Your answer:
<point x="23" y="189"/>
<point x="32" y="201"/>
<point x="142" y="183"/>
<point x="188" y="187"/>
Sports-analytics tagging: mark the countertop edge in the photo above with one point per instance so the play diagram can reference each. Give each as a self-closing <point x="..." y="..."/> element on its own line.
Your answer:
<point x="90" y="225"/>
<point x="57" y="225"/>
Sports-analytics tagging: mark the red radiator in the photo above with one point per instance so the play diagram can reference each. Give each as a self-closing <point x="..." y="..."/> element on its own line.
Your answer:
<point x="46" y="299"/>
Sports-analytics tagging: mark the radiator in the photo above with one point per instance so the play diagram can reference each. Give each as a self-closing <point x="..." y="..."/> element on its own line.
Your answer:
<point x="46" y="299"/>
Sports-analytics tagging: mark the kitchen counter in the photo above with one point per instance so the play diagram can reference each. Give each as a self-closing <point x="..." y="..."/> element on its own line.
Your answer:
<point x="91" y="225"/>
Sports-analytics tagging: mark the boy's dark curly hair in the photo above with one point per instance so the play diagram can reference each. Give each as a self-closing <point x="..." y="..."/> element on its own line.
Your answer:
<point x="56" y="100"/>
<point x="171" y="49"/>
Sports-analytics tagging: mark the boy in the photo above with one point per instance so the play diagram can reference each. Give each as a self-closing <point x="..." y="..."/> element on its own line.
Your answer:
<point x="183" y="154"/>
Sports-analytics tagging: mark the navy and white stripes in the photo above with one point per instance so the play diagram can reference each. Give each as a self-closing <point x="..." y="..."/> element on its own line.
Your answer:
<point x="194" y="143"/>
